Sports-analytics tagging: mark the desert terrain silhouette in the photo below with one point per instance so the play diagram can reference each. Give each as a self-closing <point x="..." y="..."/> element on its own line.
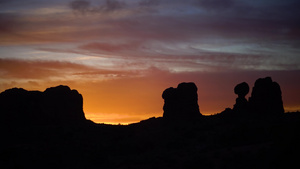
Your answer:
<point x="49" y="130"/>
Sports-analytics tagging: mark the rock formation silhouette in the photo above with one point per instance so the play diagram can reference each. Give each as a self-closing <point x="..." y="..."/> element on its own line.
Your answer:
<point x="265" y="101"/>
<point x="63" y="103"/>
<point x="229" y="139"/>
<point x="56" y="105"/>
<point x="181" y="103"/>
<point x="241" y="90"/>
<point x="266" y="97"/>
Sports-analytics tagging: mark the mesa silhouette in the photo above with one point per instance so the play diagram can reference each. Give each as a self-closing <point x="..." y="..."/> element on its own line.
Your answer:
<point x="49" y="129"/>
<point x="55" y="106"/>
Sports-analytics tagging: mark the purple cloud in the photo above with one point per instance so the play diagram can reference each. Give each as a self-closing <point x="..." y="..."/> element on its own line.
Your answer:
<point x="83" y="6"/>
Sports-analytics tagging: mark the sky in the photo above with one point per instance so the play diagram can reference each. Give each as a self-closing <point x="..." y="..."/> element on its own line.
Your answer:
<point x="122" y="54"/>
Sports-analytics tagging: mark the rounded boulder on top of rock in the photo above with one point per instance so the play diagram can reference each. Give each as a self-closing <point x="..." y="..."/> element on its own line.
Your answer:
<point x="241" y="89"/>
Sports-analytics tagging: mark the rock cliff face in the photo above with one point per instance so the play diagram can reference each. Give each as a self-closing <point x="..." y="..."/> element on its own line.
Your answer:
<point x="266" y="97"/>
<point x="181" y="103"/>
<point x="56" y="105"/>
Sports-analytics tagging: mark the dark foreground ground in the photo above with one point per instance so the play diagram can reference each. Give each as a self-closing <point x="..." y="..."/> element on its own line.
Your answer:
<point x="211" y="142"/>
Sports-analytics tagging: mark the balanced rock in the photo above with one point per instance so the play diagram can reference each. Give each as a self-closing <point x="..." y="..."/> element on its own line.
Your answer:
<point x="181" y="103"/>
<point x="241" y="90"/>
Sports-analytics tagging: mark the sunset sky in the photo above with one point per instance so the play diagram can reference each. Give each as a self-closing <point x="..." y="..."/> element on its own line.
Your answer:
<point x="122" y="54"/>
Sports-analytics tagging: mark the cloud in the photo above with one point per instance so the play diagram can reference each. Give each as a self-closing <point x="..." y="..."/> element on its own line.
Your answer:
<point x="168" y="36"/>
<point x="149" y="3"/>
<point x="84" y="7"/>
<point x="25" y="69"/>
<point x="109" y="47"/>
<point x="215" y="4"/>
<point x="138" y="55"/>
<point x="8" y="22"/>
<point x="112" y="5"/>
<point x="4" y="1"/>
<point x="165" y="25"/>
<point x="80" y="6"/>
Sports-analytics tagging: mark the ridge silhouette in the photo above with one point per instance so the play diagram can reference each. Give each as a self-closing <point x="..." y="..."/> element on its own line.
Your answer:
<point x="49" y="129"/>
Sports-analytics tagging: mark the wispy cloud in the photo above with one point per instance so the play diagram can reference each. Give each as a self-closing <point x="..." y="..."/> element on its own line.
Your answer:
<point x="84" y="7"/>
<point x="46" y="70"/>
<point x="215" y="4"/>
<point x="149" y="3"/>
<point x="23" y="69"/>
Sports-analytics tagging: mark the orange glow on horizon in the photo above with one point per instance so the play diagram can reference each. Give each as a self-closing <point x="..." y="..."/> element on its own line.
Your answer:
<point x="102" y="105"/>
<point x="130" y="99"/>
